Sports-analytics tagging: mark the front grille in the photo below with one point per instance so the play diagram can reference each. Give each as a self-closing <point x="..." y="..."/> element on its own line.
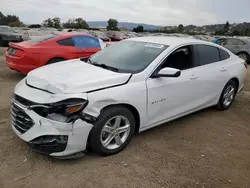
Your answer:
<point x="20" y="120"/>
<point x="23" y="101"/>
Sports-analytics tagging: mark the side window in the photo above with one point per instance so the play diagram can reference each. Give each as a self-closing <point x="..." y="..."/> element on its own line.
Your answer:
<point x="181" y="59"/>
<point x="66" y="42"/>
<point x="86" y="42"/>
<point x="223" y="55"/>
<point x="207" y="54"/>
<point x="241" y="42"/>
<point x="231" y="42"/>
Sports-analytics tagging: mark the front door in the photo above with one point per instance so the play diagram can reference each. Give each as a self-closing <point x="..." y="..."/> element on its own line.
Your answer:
<point x="168" y="97"/>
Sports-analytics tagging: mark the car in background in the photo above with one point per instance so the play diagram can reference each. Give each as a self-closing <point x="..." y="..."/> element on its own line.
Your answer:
<point x="218" y="41"/>
<point x="32" y="34"/>
<point x="63" y="109"/>
<point x="116" y="35"/>
<point x="7" y="34"/>
<point x="48" y="49"/>
<point x="239" y="46"/>
<point x="101" y="35"/>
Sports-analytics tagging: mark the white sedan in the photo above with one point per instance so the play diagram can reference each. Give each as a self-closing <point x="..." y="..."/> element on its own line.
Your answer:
<point x="62" y="109"/>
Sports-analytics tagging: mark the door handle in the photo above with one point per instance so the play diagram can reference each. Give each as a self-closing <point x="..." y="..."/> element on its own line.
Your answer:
<point x="223" y="69"/>
<point x="193" y="77"/>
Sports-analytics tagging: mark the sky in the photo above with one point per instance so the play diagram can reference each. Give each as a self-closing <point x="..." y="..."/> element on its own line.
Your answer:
<point x="156" y="12"/>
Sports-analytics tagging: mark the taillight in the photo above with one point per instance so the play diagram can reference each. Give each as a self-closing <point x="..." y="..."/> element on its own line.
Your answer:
<point x="19" y="53"/>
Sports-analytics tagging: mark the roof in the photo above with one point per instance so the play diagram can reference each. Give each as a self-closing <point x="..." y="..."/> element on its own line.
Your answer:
<point x="71" y="33"/>
<point x="166" y="40"/>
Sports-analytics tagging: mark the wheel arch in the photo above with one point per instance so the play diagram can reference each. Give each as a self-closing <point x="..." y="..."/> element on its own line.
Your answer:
<point x="236" y="81"/>
<point x="242" y="51"/>
<point x="54" y="58"/>
<point x="132" y="109"/>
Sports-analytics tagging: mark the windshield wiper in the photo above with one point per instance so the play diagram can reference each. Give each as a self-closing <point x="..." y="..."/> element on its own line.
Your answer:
<point x="105" y="66"/>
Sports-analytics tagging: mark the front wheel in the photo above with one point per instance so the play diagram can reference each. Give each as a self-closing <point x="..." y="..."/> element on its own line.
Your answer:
<point x="227" y="95"/>
<point x="112" y="131"/>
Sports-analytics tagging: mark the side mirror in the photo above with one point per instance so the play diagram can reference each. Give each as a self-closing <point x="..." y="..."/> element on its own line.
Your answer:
<point x="167" y="72"/>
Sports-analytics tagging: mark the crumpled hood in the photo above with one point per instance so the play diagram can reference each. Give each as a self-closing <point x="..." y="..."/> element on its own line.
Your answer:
<point x="74" y="76"/>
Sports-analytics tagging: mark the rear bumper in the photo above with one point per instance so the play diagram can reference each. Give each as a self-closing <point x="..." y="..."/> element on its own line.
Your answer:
<point x="16" y="63"/>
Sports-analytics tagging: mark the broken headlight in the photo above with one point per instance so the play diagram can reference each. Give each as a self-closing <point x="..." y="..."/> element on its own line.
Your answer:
<point x="66" y="108"/>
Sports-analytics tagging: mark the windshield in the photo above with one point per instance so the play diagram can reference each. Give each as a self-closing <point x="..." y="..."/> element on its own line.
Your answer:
<point x="39" y="39"/>
<point x="128" y="56"/>
<point x="6" y="30"/>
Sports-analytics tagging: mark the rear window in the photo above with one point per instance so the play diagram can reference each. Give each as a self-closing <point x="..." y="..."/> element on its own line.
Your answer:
<point x="66" y="42"/>
<point x="223" y="54"/>
<point x="43" y="38"/>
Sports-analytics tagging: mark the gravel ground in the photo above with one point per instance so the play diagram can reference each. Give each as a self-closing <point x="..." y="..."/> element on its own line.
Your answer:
<point x="205" y="149"/>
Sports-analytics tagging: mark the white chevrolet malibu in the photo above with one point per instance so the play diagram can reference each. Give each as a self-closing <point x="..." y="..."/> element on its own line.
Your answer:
<point x="63" y="109"/>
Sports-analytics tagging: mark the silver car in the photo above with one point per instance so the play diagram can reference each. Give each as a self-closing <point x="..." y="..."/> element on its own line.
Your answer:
<point x="241" y="47"/>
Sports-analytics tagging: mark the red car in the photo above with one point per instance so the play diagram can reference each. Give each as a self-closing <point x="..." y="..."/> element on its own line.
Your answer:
<point x="28" y="55"/>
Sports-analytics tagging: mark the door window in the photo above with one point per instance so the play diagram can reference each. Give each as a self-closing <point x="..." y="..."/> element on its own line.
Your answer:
<point x="206" y="54"/>
<point x="231" y="42"/>
<point x="241" y="42"/>
<point x="181" y="59"/>
<point x="66" y="42"/>
<point x="86" y="42"/>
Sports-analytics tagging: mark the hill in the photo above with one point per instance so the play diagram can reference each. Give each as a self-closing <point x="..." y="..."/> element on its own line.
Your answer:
<point x="127" y="25"/>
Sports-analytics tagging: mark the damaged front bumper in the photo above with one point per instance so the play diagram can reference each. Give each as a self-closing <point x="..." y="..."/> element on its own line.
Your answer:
<point x="51" y="137"/>
<point x="46" y="135"/>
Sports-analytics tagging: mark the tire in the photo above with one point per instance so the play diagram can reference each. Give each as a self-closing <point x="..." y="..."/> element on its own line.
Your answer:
<point x="225" y="102"/>
<point x="55" y="60"/>
<point x="244" y="56"/>
<point x="107" y="119"/>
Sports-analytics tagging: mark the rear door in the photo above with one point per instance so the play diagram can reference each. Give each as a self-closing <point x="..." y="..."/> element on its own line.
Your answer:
<point x="86" y="46"/>
<point x="212" y="72"/>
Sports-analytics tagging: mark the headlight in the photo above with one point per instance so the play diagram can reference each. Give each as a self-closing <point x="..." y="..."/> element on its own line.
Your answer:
<point x="67" y="107"/>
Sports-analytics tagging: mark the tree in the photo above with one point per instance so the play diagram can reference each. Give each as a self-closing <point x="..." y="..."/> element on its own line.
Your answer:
<point x="246" y="32"/>
<point x="112" y="24"/>
<point x="226" y="27"/>
<point x="236" y="33"/>
<point x="180" y="28"/>
<point x="34" y="26"/>
<point x="56" y="22"/>
<point x="81" y="24"/>
<point x="78" y="23"/>
<point x="48" y="23"/>
<point x="11" y="20"/>
<point x="138" y="29"/>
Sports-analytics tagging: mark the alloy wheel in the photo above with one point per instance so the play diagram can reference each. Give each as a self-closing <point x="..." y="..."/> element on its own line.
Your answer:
<point x="115" y="132"/>
<point x="228" y="95"/>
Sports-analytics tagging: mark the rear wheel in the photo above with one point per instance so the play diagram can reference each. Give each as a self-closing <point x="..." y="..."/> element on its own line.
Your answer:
<point x="112" y="131"/>
<point x="55" y="60"/>
<point x="244" y="56"/>
<point x="227" y="95"/>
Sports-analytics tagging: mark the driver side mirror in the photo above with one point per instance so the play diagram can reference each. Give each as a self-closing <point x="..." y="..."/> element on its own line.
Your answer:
<point x="167" y="72"/>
